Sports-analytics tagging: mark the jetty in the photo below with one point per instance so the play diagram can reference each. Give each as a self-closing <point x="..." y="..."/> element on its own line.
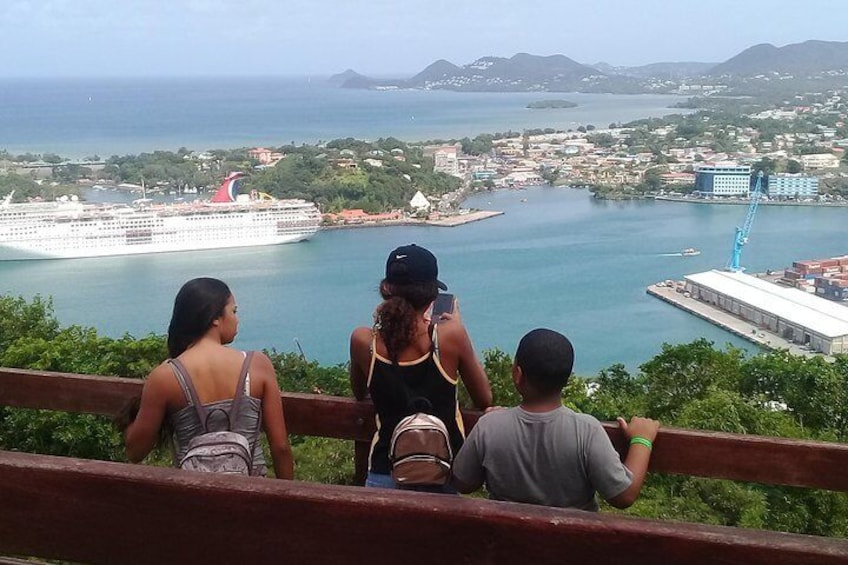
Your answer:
<point x="462" y="219"/>
<point x="673" y="293"/>
<point x="448" y="221"/>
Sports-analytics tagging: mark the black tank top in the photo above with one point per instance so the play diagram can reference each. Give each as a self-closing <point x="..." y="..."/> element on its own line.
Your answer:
<point x="392" y="388"/>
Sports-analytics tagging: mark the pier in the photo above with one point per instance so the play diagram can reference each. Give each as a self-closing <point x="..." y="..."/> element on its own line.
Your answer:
<point x="461" y="219"/>
<point x="764" y="338"/>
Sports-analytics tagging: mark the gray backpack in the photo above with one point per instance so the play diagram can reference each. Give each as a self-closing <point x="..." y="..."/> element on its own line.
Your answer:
<point x="222" y="451"/>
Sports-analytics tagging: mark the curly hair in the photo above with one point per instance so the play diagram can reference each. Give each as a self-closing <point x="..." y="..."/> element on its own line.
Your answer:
<point x="198" y="303"/>
<point x="395" y="317"/>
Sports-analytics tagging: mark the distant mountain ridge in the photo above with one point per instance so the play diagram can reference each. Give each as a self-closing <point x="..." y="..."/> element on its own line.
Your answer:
<point x="517" y="73"/>
<point x="669" y="70"/>
<point x="557" y="73"/>
<point x="798" y="58"/>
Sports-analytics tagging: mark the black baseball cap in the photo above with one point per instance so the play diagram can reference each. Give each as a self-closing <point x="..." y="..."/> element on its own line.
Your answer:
<point x="412" y="264"/>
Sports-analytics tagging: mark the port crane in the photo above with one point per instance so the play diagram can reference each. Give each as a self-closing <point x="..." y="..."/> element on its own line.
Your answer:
<point x="741" y="237"/>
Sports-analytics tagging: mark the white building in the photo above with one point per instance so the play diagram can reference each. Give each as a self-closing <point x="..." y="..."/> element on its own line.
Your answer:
<point x="419" y="202"/>
<point x="793" y="314"/>
<point x="820" y="161"/>
<point x="445" y="158"/>
<point x="787" y="185"/>
<point x="723" y="179"/>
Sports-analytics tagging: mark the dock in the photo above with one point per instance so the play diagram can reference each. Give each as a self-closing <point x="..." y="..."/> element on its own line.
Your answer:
<point x="727" y="321"/>
<point x="461" y="219"/>
<point x="443" y="222"/>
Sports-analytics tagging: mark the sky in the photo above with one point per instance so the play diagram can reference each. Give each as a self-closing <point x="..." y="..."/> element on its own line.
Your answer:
<point x="53" y="38"/>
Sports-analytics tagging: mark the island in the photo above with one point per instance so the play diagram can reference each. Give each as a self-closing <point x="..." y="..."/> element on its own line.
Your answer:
<point x="551" y="104"/>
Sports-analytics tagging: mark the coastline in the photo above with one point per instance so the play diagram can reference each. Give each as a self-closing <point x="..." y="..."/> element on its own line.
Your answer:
<point x="745" y="202"/>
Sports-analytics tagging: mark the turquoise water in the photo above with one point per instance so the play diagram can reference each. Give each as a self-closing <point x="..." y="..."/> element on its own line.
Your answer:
<point x="81" y="117"/>
<point x="560" y="260"/>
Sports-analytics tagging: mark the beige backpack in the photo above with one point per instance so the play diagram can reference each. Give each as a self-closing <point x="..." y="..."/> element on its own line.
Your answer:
<point x="420" y="451"/>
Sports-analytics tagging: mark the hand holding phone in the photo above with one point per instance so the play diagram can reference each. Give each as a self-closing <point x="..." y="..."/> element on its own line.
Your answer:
<point x="444" y="304"/>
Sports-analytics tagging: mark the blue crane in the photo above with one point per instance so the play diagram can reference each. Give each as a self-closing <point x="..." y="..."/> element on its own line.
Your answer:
<point x="742" y="233"/>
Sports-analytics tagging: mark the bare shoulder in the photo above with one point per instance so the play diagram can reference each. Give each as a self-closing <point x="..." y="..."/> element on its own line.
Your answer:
<point x="361" y="334"/>
<point x="162" y="375"/>
<point x="261" y="365"/>
<point x="452" y="332"/>
<point x="162" y="385"/>
<point x="360" y="339"/>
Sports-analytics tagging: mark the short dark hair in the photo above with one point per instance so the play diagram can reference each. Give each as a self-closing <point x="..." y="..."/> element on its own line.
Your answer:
<point x="546" y="359"/>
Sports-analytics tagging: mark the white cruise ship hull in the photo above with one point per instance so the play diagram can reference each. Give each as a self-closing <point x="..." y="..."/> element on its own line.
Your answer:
<point x="65" y="231"/>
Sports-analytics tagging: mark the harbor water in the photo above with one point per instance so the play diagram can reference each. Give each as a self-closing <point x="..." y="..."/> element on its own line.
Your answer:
<point x="556" y="258"/>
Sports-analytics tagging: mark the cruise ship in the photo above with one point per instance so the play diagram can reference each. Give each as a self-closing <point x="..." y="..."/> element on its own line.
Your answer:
<point x="70" y="229"/>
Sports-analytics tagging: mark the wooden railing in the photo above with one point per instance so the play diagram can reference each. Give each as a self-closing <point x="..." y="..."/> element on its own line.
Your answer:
<point x="101" y="512"/>
<point x="738" y="457"/>
<point x="98" y="512"/>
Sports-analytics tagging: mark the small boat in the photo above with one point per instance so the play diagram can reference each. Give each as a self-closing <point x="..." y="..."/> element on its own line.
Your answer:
<point x="690" y="252"/>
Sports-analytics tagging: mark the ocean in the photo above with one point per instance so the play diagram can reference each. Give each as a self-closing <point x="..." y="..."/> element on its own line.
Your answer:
<point x="78" y="118"/>
<point x="556" y="258"/>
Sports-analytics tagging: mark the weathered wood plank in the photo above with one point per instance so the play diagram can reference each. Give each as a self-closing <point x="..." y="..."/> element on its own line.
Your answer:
<point x="703" y="454"/>
<point x="97" y="512"/>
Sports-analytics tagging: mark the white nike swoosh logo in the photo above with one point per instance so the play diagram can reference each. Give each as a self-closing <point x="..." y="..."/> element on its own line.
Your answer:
<point x="400" y="256"/>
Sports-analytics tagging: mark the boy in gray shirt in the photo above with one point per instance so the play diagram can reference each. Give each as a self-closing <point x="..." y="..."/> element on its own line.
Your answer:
<point x="543" y="453"/>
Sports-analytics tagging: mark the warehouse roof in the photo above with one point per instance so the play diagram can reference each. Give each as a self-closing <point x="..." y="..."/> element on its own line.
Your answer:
<point x="817" y="314"/>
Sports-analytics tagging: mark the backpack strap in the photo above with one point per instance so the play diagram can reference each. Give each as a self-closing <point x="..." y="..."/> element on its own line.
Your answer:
<point x="188" y="389"/>
<point x="235" y="407"/>
<point x="193" y="398"/>
<point x="433" y="330"/>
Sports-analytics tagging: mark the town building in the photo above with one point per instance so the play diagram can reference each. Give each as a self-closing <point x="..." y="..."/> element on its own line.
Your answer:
<point x="723" y="179"/>
<point x="820" y="161"/>
<point x="677" y="179"/>
<point x="792" y="314"/>
<point x="445" y="159"/>
<point x="419" y="202"/>
<point x="791" y="186"/>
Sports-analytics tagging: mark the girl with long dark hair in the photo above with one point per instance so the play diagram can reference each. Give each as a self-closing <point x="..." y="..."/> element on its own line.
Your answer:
<point x="204" y="321"/>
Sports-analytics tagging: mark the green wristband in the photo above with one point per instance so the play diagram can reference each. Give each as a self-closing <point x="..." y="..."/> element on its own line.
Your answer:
<point x="642" y="441"/>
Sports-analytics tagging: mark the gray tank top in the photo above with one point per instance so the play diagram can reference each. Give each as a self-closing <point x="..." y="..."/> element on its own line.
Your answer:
<point x="186" y="423"/>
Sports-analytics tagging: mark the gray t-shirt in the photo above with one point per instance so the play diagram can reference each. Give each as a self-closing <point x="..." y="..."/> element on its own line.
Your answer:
<point x="557" y="458"/>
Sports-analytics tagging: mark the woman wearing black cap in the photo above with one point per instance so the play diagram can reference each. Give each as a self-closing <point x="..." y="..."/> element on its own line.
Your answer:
<point x="407" y="355"/>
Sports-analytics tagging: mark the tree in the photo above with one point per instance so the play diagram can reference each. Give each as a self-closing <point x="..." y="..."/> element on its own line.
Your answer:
<point x="767" y="165"/>
<point x="793" y="166"/>
<point x="601" y="139"/>
<point x="52" y="158"/>
<point x="653" y="179"/>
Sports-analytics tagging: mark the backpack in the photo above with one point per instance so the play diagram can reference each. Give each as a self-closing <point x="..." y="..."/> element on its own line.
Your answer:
<point x="420" y="451"/>
<point x="216" y="452"/>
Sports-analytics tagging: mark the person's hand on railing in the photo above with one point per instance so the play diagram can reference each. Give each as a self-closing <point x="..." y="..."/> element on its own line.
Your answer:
<point x="639" y="427"/>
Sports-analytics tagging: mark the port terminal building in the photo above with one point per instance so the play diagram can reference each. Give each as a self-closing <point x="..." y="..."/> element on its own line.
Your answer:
<point x="792" y="314"/>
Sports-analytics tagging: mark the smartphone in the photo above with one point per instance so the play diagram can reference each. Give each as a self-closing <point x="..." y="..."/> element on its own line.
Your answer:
<point x="442" y="305"/>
